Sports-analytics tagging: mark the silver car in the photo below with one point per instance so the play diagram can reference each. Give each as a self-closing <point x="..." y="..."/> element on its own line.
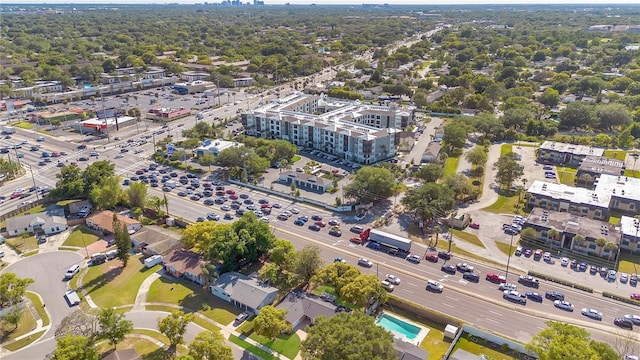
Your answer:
<point x="592" y="313"/>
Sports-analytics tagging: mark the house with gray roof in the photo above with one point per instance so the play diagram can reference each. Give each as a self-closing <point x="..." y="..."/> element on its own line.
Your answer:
<point x="37" y="224"/>
<point x="243" y="291"/>
<point x="408" y="351"/>
<point x="306" y="181"/>
<point x="303" y="309"/>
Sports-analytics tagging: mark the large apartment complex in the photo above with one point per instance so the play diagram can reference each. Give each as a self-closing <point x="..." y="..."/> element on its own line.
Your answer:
<point x="347" y="129"/>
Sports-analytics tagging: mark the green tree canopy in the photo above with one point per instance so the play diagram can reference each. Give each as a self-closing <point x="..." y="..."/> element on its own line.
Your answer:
<point x="577" y="115"/>
<point x="75" y="347"/>
<point x="113" y="326"/>
<point x="565" y="341"/>
<point x="12" y="288"/>
<point x="174" y="326"/>
<point x="429" y="172"/>
<point x="70" y="183"/>
<point x="270" y="322"/>
<point x="210" y="345"/>
<point x="106" y="194"/>
<point x="371" y="184"/>
<point x="508" y="170"/>
<point x="347" y="336"/>
<point x="429" y="201"/>
<point x="96" y="172"/>
<point x="363" y="288"/>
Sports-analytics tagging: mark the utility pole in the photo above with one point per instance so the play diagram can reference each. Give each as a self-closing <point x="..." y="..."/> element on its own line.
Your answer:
<point x="104" y="113"/>
<point x="34" y="183"/>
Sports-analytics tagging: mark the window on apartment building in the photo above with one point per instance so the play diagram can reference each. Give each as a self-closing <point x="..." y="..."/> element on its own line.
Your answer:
<point x="544" y="234"/>
<point x="632" y="206"/>
<point x="585" y="211"/>
<point x="625" y="243"/>
<point x="592" y="246"/>
<point x="598" y="213"/>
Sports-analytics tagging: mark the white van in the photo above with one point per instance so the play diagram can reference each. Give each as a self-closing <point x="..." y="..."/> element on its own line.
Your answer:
<point x="72" y="297"/>
<point x="73" y="270"/>
<point x="152" y="261"/>
<point x="111" y="254"/>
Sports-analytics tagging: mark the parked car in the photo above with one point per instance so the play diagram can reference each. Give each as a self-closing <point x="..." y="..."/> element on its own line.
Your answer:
<point x="474" y="225"/>
<point x="336" y="233"/>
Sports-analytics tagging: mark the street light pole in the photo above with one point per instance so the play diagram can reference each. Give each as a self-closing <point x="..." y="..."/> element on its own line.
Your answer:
<point x="34" y="183"/>
<point x="506" y="275"/>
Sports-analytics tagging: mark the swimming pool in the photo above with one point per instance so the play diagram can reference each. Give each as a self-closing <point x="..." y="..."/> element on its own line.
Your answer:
<point x="398" y="327"/>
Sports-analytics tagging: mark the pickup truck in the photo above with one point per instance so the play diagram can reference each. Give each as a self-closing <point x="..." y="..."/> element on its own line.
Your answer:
<point x="529" y="281"/>
<point x="514" y="296"/>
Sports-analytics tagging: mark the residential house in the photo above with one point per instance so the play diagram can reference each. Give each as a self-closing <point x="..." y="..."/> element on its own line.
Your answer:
<point x="155" y="240"/>
<point x="592" y="167"/>
<point x="306" y="181"/>
<point x="630" y="228"/>
<point x="566" y="154"/>
<point x="103" y="222"/>
<point x="408" y="351"/>
<point x="36" y="224"/>
<point x="243" y="291"/>
<point x="568" y="227"/>
<point x="432" y="153"/>
<point x="182" y="263"/>
<point x="303" y="308"/>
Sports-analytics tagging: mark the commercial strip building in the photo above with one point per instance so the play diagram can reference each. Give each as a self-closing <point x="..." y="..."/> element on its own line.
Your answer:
<point x="214" y="147"/>
<point x="166" y="115"/>
<point x="97" y="126"/>
<point x="611" y="193"/>
<point x="347" y="129"/>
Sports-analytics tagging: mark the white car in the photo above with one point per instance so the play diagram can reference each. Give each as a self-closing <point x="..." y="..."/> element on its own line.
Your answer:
<point x="564" y="262"/>
<point x="387" y="285"/>
<point x="507" y="286"/>
<point x="359" y="217"/>
<point x="294" y="211"/>
<point x="434" y="286"/>
<point x="624" y="277"/>
<point x="564" y="305"/>
<point x="612" y="274"/>
<point x="592" y="313"/>
<point x="119" y="156"/>
<point x="393" y="279"/>
<point x="265" y="219"/>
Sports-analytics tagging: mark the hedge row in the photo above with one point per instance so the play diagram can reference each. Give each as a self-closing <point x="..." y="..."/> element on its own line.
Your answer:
<point x="620" y="298"/>
<point x="561" y="281"/>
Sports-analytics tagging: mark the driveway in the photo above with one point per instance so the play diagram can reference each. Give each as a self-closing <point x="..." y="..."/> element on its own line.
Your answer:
<point x="48" y="271"/>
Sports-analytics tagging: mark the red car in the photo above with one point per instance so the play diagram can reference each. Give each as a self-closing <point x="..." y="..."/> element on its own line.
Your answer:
<point x="219" y="192"/>
<point x="321" y="223"/>
<point x="139" y="172"/>
<point x="431" y="257"/>
<point x="474" y="225"/>
<point x="230" y="192"/>
<point x="16" y="195"/>
<point x="635" y="296"/>
<point x="233" y="197"/>
<point x="264" y="206"/>
<point x="496" y="278"/>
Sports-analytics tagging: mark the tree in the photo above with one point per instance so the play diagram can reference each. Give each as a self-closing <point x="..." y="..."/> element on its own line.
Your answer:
<point x="70" y="183"/>
<point x="106" y="194"/>
<point x="75" y="347"/>
<point x="270" y="322"/>
<point x="207" y="159"/>
<point x="577" y="115"/>
<point x="508" y="170"/>
<point x="95" y="174"/>
<point x="429" y="172"/>
<point x="600" y="243"/>
<point x="12" y="317"/>
<point x="371" y="184"/>
<point x="174" y="325"/>
<point x="337" y="275"/>
<point x="429" y="201"/>
<point x="12" y="288"/>
<point x="477" y="156"/>
<point x="347" y="336"/>
<point x="79" y="323"/>
<point x="210" y="345"/>
<point x="550" y="97"/>
<point x="612" y="115"/>
<point x="137" y="194"/>
<point x="516" y="117"/>
<point x="156" y="203"/>
<point x="565" y="341"/>
<point x="459" y="184"/>
<point x="307" y="262"/>
<point x="113" y="326"/>
<point x="455" y="135"/>
<point x="282" y="252"/>
<point x="362" y="289"/>
<point x="122" y="240"/>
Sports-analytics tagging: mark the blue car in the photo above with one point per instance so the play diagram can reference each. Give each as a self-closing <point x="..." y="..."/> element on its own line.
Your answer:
<point x="299" y="222"/>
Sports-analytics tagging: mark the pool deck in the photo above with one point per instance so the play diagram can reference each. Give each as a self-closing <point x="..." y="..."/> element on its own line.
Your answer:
<point x="419" y="337"/>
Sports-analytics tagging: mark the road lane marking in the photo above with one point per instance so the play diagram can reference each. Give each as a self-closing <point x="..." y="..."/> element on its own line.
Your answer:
<point x="449" y="305"/>
<point x="495" y="313"/>
<point x="450" y="298"/>
<point x="493" y="321"/>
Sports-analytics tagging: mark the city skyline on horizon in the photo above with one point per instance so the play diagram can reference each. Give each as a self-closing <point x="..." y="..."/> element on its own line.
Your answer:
<point x="333" y="2"/>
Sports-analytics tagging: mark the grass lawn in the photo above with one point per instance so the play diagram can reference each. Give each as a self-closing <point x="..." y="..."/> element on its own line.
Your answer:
<point x="16" y="345"/>
<point x="615" y="154"/>
<point x="615" y="220"/>
<point x="468" y="237"/>
<point x="444" y="245"/>
<point x="110" y="285"/>
<point x="287" y="345"/>
<point x="37" y="304"/>
<point x="197" y="320"/>
<point x="632" y="173"/>
<point x="152" y="333"/>
<point x="251" y="348"/>
<point x="143" y="347"/>
<point x="451" y="166"/>
<point x="505" y="149"/>
<point x="505" y="205"/>
<point x="27" y="323"/>
<point x="331" y="291"/>
<point x="629" y="264"/>
<point x="474" y="348"/>
<point x="194" y="297"/>
<point x="81" y="237"/>
<point x="504" y="247"/>
<point x="567" y="178"/>
<point x="22" y="245"/>
<point x="295" y="159"/>
<point x="24" y="125"/>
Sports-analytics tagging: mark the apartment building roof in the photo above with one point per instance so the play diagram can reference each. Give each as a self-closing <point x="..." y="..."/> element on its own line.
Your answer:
<point x="574" y="224"/>
<point x="571" y="148"/>
<point x="621" y="187"/>
<point x="630" y="226"/>
<point x="571" y="194"/>
<point x="602" y="165"/>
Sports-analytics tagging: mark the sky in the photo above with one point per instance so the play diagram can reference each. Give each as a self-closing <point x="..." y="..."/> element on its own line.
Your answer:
<point x="338" y="2"/>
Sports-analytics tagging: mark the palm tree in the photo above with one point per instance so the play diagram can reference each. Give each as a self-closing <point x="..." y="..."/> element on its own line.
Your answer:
<point x="611" y="247"/>
<point x="579" y="240"/>
<point x="600" y="243"/>
<point x="552" y="235"/>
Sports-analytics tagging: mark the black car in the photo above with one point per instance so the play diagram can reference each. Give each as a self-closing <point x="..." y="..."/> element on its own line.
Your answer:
<point x="248" y="202"/>
<point x="83" y="159"/>
<point x="242" y="196"/>
<point x="623" y="323"/>
<point x="449" y="269"/>
<point x="335" y="232"/>
<point x="314" y="227"/>
<point x="527" y="280"/>
<point x="208" y="202"/>
<point x="228" y="216"/>
<point x="316" y="218"/>
<point x="533" y="296"/>
<point x="195" y="197"/>
<point x="263" y="201"/>
<point x="471" y="276"/>
<point x="444" y="255"/>
<point x="554" y="295"/>
<point x="173" y="174"/>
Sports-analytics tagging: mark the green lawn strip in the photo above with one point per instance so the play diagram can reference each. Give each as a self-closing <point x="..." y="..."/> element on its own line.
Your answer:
<point x="615" y="154"/>
<point x="147" y="349"/>
<point x="331" y="291"/>
<point x="196" y="320"/>
<point x="468" y="237"/>
<point x="632" y="173"/>
<point x="505" y="149"/>
<point x="474" y="348"/>
<point x="27" y="323"/>
<point x="23" y="245"/>
<point x="24" y="125"/>
<point x="467" y="254"/>
<point x="504" y="247"/>
<point x="67" y="248"/>
<point x="17" y="345"/>
<point x="193" y="297"/>
<point x="37" y="305"/>
<point x="295" y="159"/>
<point x="251" y="348"/>
<point x="287" y="345"/>
<point x="567" y="177"/>
<point x="31" y="253"/>
<point x="629" y="264"/>
<point x="504" y="205"/>
<point x="152" y="333"/>
<point x="111" y="285"/>
<point x="81" y="237"/>
<point x="450" y="166"/>
<point x="615" y="220"/>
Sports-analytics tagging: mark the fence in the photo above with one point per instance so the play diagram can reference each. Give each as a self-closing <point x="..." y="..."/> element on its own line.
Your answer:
<point x="486" y="338"/>
<point x="22" y="209"/>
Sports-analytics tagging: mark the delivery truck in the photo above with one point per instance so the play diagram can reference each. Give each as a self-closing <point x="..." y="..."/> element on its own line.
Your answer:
<point x="390" y="241"/>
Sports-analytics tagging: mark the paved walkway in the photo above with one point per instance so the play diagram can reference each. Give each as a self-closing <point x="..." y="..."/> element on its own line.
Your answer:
<point x="143" y="291"/>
